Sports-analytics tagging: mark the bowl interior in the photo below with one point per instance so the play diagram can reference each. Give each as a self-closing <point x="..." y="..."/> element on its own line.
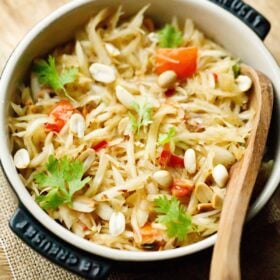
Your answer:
<point x="216" y="23"/>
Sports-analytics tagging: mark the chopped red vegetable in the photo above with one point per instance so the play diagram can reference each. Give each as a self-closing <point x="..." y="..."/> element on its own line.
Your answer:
<point x="56" y="127"/>
<point x="85" y="228"/>
<point x="167" y="158"/>
<point x="183" y="61"/>
<point x="150" y="234"/>
<point x="179" y="191"/>
<point x="215" y="76"/>
<point x="181" y="188"/>
<point x="100" y="145"/>
<point x="169" y="92"/>
<point x="164" y="155"/>
<point x="176" y="161"/>
<point x="61" y="112"/>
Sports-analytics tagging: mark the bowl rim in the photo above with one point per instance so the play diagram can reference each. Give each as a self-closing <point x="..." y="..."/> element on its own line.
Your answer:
<point x="60" y="231"/>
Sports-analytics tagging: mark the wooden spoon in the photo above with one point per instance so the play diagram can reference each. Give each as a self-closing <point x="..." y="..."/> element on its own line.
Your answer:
<point x="225" y="259"/>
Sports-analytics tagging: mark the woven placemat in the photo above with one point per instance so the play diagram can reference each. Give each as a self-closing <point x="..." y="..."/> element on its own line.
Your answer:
<point x="24" y="262"/>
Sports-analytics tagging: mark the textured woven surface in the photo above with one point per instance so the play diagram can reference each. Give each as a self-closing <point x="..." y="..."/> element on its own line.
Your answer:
<point x="24" y="262"/>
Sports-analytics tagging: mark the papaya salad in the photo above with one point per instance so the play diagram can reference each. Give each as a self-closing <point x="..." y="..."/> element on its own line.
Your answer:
<point x="126" y="134"/>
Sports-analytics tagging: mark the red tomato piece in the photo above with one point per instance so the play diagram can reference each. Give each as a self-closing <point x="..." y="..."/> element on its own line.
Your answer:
<point x="179" y="191"/>
<point x="150" y="234"/>
<point x="56" y="127"/>
<point x="102" y="144"/>
<point x="85" y="228"/>
<point x="176" y="161"/>
<point x="181" y="188"/>
<point x="215" y="76"/>
<point x="61" y="113"/>
<point x="183" y="61"/>
<point x="164" y="155"/>
<point x="169" y="159"/>
<point x="169" y="92"/>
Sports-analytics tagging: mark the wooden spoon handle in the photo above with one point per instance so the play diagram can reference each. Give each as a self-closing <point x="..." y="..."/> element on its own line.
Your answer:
<point x="225" y="260"/>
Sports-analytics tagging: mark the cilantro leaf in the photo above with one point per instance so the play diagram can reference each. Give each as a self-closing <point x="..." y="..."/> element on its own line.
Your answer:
<point x="144" y="116"/>
<point x="52" y="200"/>
<point x="236" y="70"/>
<point x="68" y="76"/>
<point x="53" y="178"/>
<point x="170" y="37"/>
<point x="170" y="213"/>
<point x="64" y="177"/>
<point x="166" y="138"/>
<point x="133" y="122"/>
<point x="73" y="175"/>
<point x="48" y="74"/>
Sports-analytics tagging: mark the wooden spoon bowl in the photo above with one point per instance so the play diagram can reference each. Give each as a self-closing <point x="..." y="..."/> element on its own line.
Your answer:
<point x="225" y="263"/>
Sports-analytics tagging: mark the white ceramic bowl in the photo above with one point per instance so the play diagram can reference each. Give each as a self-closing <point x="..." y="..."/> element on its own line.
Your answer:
<point x="57" y="28"/>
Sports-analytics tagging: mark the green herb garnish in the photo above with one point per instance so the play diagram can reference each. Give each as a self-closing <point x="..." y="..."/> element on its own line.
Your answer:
<point x="173" y="215"/>
<point x="236" y="70"/>
<point x="166" y="138"/>
<point x="64" y="177"/>
<point x="144" y="116"/>
<point x="48" y="74"/>
<point x="170" y="37"/>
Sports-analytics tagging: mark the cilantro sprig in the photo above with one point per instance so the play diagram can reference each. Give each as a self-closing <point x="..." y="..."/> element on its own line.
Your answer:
<point x="166" y="138"/>
<point x="48" y="74"/>
<point x="143" y="118"/>
<point x="236" y="69"/>
<point x="170" y="213"/>
<point x="64" y="178"/>
<point x="170" y="37"/>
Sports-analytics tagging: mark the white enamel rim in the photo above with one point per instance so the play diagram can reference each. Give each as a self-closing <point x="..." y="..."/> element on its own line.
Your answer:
<point x="63" y="233"/>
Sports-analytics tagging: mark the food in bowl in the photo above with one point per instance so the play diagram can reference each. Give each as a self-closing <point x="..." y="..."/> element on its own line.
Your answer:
<point x="126" y="134"/>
